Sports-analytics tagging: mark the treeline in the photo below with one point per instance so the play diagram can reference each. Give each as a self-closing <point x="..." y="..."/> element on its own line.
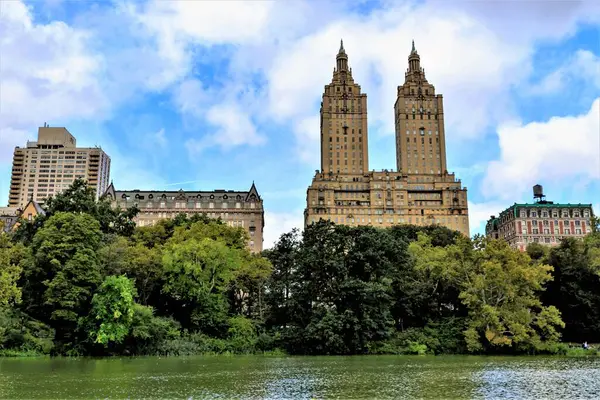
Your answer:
<point x="83" y="280"/>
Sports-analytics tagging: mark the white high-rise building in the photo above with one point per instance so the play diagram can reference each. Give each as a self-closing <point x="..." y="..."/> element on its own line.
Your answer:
<point x="51" y="164"/>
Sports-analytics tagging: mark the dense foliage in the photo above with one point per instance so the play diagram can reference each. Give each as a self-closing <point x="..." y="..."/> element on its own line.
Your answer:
<point x="83" y="280"/>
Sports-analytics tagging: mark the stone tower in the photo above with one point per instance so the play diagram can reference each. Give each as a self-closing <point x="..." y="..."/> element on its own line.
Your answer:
<point x="344" y="137"/>
<point x="419" y="116"/>
<point x="419" y="192"/>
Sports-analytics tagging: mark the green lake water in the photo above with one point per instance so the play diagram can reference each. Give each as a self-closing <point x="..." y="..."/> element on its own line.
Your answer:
<point x="256" y="377"/>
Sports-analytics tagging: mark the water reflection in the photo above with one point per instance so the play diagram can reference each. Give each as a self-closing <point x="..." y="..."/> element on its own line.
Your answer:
<point x="541" y="378"/>
<point x="380" y="377"/>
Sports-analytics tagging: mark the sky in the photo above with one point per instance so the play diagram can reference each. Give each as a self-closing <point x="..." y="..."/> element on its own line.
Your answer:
<point x="203" y="95"/>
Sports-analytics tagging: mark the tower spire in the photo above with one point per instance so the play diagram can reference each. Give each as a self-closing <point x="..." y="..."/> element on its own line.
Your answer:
<point x="342" y="58"/>
<point x="414" y="61"/>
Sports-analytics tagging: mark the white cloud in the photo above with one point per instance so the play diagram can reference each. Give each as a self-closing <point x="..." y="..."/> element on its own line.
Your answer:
<point x="191" y="97"/>
<point x="212" y="22"/>
<point x="560" y="150"/>
<point x="277" y="224"/>
<point x="9" y="139"/>
<point x="583" y="65"/>
<point x="47" y="71"/>
<point x="234" y="128"/>
<point x="480" y="213"/>
<point x="467" y="52"/>
<point x="159" y="138"/>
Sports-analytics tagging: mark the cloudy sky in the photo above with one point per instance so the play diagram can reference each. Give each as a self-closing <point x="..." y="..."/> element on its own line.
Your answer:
<point x="213" y="95"/>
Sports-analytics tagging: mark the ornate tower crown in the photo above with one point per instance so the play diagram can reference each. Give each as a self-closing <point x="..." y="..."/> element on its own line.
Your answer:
<point x="342" y="59"/>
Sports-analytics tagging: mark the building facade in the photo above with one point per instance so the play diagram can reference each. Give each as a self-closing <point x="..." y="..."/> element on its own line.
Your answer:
<point x="51" y="164"/>
<point x="242" y="209"/>
<point x="420" y="191"/>
<point x="8" y="218"/>
<point x="543" y="222"/>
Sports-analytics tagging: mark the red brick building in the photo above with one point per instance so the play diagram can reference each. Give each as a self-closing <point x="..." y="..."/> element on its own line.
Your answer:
<point x="543" y="222"/>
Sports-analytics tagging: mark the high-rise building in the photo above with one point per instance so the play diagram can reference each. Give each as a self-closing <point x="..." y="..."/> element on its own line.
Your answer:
<point x="419" y="112"/>
<point x="243" y="209"/>
<point x="542" y="221"/>
<point x="344" y="137"/>
<point x="51" y="164"/>
<point x="419" y="192"/>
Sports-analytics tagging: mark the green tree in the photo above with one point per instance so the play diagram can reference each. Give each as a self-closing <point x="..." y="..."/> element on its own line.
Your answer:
<point x="63" y="272"/>
<point x="80" y="198"/>
<point x="11" y="260"/>
<point x="112" y="310"/>
<point x="138" y="262"/>
<point x="197" y="273"/>
<point x="575" y="290"/>
<point x="284" y="257"/>
<point x="248" y="285"/>
<point x="502" y="294"/>
<point x="341" y="294"/>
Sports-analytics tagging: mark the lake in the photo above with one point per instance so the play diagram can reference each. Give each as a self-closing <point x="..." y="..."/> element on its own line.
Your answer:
<point x="257" y="377"/>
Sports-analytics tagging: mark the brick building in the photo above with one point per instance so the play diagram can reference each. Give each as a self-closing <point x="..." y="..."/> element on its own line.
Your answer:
<point x="542" y="221"/>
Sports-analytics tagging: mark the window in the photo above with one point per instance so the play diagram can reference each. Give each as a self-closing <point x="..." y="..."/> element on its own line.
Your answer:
<point x="211" y="205"/>
<point x="224" y="205"/>
<point x="533" y="214"/>
<point x="162" y="204"/>
<point x="29" y="217"/>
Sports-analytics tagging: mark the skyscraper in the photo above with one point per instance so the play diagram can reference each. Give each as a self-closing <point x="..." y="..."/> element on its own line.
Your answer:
<point x="344" y="137"/>
<point x="420" y="191"/>
<point x="419" y="112"/>
<point x="50" y="165"/>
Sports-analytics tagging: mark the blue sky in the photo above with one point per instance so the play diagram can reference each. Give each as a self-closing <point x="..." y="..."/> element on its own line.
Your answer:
<point x="215" y="95"/>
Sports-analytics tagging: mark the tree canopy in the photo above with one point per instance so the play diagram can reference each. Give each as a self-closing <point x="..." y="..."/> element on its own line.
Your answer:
<point x="84" y="280"/>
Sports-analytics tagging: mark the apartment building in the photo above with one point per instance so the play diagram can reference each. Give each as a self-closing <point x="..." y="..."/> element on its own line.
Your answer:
<point x="420" y="191"/>
<point x="243" y="209"/>
<point x="542" y="221"/>
<point x="51" y="164"/>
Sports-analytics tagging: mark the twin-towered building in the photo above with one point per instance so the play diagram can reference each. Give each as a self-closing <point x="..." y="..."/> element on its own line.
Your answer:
<point x="419" y="191"/>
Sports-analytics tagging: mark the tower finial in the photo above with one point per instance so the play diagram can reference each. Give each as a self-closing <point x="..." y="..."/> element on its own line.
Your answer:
<point x="342" y="46"/>
<point x="413" y="46"/>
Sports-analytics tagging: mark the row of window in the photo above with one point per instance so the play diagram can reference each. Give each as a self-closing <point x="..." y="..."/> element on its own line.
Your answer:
<point x="184" y="205"/>
<point x="546" y="214"/>
<point x="452" y="221"/>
